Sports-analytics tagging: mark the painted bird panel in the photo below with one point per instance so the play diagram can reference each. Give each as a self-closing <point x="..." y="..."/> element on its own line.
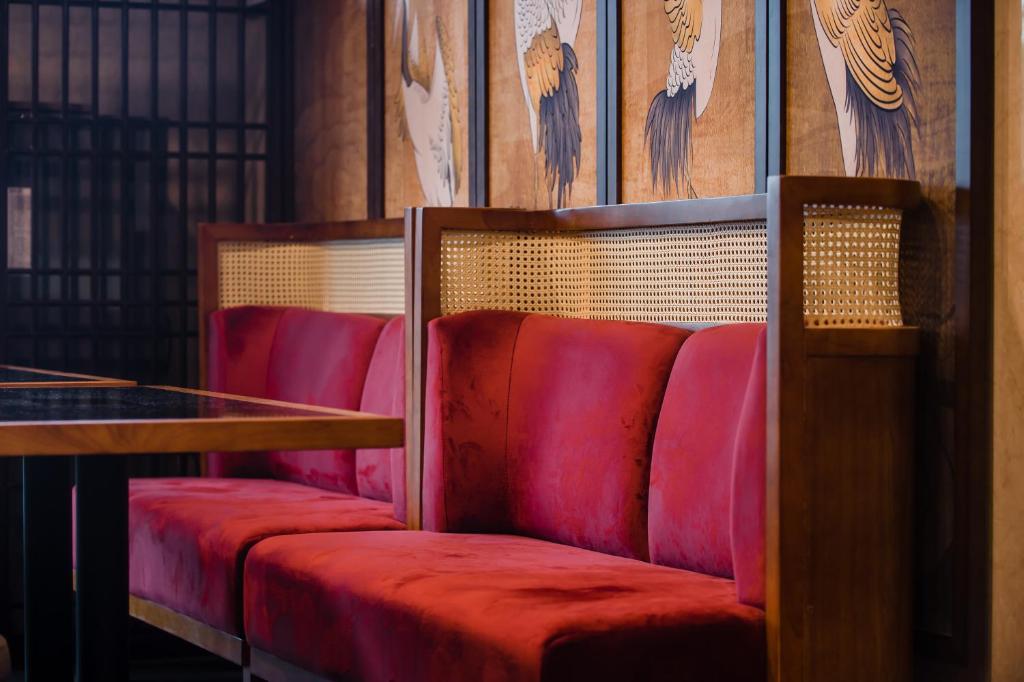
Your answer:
<point x="867" y="49"/>
<point x="545" y="35"/>
<point x="696" y="27"/>
<point x="431" y="120"/>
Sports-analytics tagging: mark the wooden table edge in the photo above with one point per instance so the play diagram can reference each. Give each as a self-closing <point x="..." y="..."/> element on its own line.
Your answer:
<point x="82" y="379"/>
<point x="244" y="434"/>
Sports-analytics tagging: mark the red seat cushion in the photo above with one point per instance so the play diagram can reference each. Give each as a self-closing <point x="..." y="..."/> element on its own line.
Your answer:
<point x="380" y="473"/>
<point x="543" y="426"/>
<point x="188" y="537"/>
<point x="446" y="607"/>
<point x="707" y="498"/>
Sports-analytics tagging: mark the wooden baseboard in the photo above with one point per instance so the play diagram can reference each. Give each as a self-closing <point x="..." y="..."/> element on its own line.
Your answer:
<point x="264" y="666"/>
<point x="215" y="641"/>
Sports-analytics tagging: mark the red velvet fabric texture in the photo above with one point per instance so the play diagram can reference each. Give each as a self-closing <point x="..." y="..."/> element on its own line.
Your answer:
<point x="380" y="473"/>
<point x="430" y="607"/>
<point x="708" y="471"/>
<point x="749" y="484"/>
<point x="320" y="358"/>
<point x="522" y="410"/>
<point x="469" y="363"/>
<point x="298" y="355"/>
<point x="239" y="350"/>
<point x="583" y="406"/>
<point x="188" y="537"/>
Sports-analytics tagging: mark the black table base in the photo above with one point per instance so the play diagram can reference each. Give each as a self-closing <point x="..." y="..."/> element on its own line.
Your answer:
<point x="49" y="595"/>
<point x="102" y="549"/>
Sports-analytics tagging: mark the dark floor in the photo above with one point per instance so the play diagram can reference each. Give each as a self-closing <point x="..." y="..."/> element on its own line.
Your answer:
<point x="159" y="657"/>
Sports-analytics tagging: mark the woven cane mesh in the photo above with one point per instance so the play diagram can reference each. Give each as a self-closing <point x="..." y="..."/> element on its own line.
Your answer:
<point x="851" y="266"/>
<point x="351" y="275"/>
<point x="693" y="274"/>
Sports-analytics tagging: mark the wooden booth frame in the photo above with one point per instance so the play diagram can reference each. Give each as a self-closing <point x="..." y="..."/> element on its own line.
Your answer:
<point x="839" y="462"/>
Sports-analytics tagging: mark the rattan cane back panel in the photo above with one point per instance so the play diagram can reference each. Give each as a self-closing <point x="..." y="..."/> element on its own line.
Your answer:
<point x="349" y="275"/>
<point x="690" y="274"/>
<point x="851" y="266"/>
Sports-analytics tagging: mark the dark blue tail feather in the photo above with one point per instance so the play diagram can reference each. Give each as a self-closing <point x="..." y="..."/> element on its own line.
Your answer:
<point x="667" y="138"/>
<point x="560" y="134"/>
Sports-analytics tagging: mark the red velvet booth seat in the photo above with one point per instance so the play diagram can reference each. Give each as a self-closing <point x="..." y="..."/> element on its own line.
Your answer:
<point x="596" y="496"/>
<point x="188" y="537"/>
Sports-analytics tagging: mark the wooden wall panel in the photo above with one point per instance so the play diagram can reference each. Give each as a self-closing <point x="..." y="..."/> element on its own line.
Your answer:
<point x="516" y="174"/>
<point x="722" y="156"/>
<point x="815" y="145"/>
<point x="330" y="110"/>
<point x="414" y="113"/>
<point x="1008" y="352"/>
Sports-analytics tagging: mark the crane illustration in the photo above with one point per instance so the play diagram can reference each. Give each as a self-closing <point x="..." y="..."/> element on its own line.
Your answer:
<point x="867" y="50"/>
<point x="431" y="112"/>
<point x="696" y="27"/>
<point x="545" y="34"/>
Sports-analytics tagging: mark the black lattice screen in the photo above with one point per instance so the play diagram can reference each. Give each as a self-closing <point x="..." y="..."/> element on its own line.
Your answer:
<point x="124" y="125"/>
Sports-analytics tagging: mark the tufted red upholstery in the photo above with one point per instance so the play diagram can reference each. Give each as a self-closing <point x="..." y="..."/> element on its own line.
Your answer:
<point x="432" y="607"/>
<point x="545" y="427"/>
<point x="189" y="537"/>
<point x="380" y="473"/>
<point x="583" y="405"/>
<point x="707" y="474"/>
<point x="524" y="410"/>
<point x="239" y="346"/>
<point x="464" y="480"/>
<point x="320" y="358"/>
<point x="303" y="356"/>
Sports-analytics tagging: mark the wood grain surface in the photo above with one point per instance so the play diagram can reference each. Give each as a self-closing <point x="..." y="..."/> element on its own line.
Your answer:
<point x="330" y="110"/>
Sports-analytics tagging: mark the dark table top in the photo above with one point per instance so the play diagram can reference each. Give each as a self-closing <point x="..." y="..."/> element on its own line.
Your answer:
<point x="27" y="377"/>
<point x="141" y="419"/>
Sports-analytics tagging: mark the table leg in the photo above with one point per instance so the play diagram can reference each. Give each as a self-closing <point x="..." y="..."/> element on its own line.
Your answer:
<point x="49" y="599"/>
<point x="102" y="613"/>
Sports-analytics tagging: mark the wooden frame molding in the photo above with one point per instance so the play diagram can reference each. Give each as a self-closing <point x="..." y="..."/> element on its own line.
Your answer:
<point x="839" y="479"/>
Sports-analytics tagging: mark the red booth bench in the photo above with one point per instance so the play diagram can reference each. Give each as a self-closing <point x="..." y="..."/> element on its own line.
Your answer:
<point x="598" y="492"/>
<point x="605" y="499"/>
<point x="269" y="329"/>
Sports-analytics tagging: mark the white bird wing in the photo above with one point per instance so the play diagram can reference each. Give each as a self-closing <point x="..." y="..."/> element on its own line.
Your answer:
<point x="428" y="117"/>
<point x="567" y="14"/>
<point x="532" y="19"/>
<point x="696" y="35"/>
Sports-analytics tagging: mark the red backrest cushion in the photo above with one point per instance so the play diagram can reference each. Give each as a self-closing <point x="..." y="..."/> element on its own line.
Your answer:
<point x="465" y="481"/>
<point x="380" y="473"/>
<point x="238" y="352"/>
<point x="543" y="426"/>
<point x="707" y="476"/>
<point x="583" y="405"/>
<point x="320" y="358"/>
